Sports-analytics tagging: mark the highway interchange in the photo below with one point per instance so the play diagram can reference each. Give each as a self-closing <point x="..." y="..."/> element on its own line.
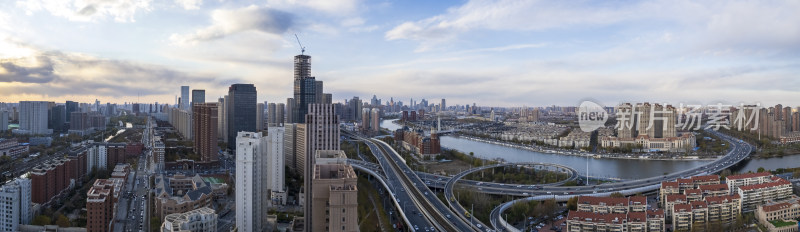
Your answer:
<point x="428" y="219"/>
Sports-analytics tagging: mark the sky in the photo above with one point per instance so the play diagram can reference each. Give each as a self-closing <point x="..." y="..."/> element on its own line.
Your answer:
<point x="498" y="53"/>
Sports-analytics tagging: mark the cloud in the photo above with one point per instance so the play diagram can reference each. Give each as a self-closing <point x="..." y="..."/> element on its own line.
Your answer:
<point x="330" y="7"/>
<point x="55" y="73"/>
<point x="88" y="10"/>
<point x="708" y="24"/>
<point x="248" y="19"/>
<point x="190" y="4"/>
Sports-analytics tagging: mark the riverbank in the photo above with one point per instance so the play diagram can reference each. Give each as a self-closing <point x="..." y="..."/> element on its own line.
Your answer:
<point x="577" y="153"/>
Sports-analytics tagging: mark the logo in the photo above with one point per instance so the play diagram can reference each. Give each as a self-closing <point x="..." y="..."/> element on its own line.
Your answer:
<point x="591" y="116"/>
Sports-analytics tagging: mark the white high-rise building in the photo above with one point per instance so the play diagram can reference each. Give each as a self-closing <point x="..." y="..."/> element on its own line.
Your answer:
<point x="15" y="202"/>
<point x="33" y="117"/>
<point x="96" y="157"/>
<point x="275" y="165"/>
<point x="251" y="187"/>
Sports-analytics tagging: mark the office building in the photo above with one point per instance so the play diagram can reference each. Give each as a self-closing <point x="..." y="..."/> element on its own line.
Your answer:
<point x="198" y="96"/>
<point x="205" y="130"/>
<point x="198" y="220"/>
<point x="241" y="116"/>
<point x="334" y="200"/>
<point x="327" y="98"/>
<point x="443" y="106"/>
<point x="71" y="106"/>
<point x="15" y="202"/>
<point x="275" y="165"/>
<point x="58" y="118"/>
<point x="184" y="100"/>
<point x="33" y="117"/>
<point x="305" y="88"/>
<point x="158" y="155"/>
<point x="251" y="186"/>
<point x="322" y="133"/>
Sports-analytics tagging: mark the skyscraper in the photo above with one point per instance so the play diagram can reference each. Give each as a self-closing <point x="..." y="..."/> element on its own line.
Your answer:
<point x="322" y="133"/>
<point x="290" y="111"/>
<point x="204" y="123"/>
<point x="71" y="107"/>
<point x="241" y="106"/>
<point x="58" y="118"/>
<point x="443" y="106"/>
<point x="327" y="98"/>
<point x="305" y="88"/>
<point x="259" y="116"/>
<point x="33" y="117"/>
<point x="184" y="102"/>
<point x="271" y="116"/>
<point x="251" y="189"/>
<point x="198" y="96"/>
<point x="279" y="114"/>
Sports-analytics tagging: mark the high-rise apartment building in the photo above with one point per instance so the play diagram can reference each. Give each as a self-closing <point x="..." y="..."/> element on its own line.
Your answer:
<point x="275" y="164"/>
<point x="241" y="105"/>
<point x="3" y="120"/>
<point x="205" y="130"/>
<point x="198" y="96"/>
<point x="184" y="101"/>
<point x="280" y="114"/>
<point x="33" y="117"/>
<point x="15" y="202"/>
<point x="251" y="187"/>
<point x="322" y="133"/>
<point x="289" y="143"/>
<point x="222" y="119"/>
<point x="271" y="114"/>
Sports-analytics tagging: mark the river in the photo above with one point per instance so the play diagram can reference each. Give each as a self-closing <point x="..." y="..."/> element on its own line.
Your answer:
<point x="605" y="168"/>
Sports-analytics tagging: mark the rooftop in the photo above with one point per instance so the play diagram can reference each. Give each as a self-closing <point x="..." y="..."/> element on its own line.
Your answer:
<point x="748" y="175"/>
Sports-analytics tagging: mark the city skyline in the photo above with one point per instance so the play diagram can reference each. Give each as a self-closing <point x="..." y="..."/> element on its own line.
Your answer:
<point x="530" y="52"/>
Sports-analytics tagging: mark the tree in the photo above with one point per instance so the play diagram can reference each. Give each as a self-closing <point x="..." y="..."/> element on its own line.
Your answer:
<point x="572" y="203"/>
<point x="617" y="194"/>
<point x="41" y="220"/>
<point x="761" y="169"/>
<point x="796" y="173"/>
<point x="62" y="221"/>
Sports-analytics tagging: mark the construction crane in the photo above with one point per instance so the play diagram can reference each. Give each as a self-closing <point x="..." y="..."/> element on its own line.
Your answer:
<point x="302" y="49"/>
